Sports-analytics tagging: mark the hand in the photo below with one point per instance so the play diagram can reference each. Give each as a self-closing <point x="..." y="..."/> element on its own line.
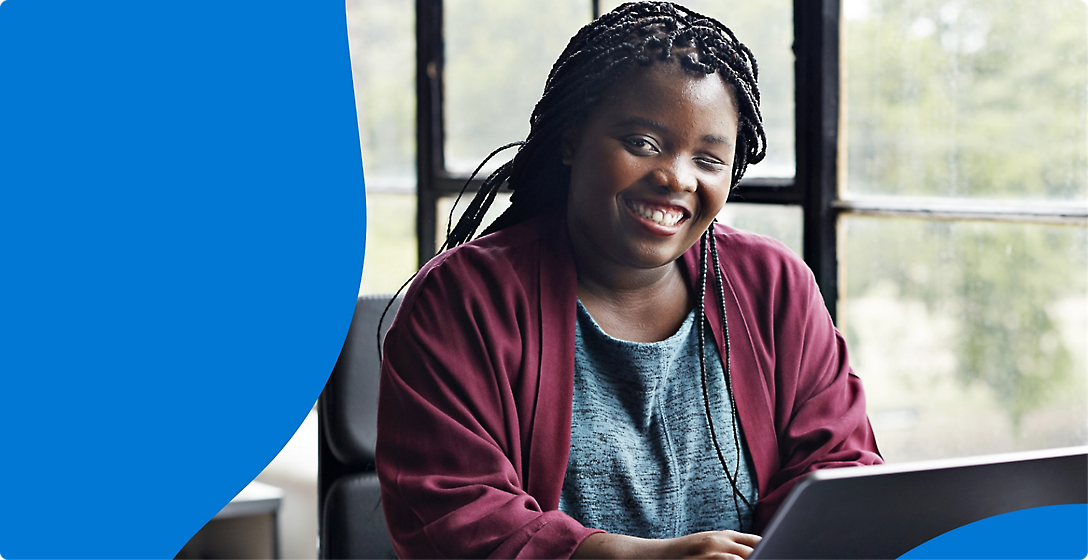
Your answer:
<point x="710" y="544"/>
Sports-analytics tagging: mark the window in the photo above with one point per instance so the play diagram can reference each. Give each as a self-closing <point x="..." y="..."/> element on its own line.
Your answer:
<point x="381" y="37"/>
<point x="928" y="159"/>
<point x="964" y="271"/>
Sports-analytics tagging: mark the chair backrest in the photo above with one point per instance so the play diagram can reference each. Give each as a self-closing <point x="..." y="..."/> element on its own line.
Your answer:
<point x="351" y="523"/>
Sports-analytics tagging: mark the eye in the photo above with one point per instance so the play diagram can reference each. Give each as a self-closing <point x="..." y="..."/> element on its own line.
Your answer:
<point x="641" y="145"/>
<point x="711" y="163"/>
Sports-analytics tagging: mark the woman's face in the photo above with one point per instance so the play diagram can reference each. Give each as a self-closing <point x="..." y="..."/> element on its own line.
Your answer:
<point x="651" y="166"/>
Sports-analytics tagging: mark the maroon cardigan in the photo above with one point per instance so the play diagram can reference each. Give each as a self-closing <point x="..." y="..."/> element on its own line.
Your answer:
<point x="475" y="402"/>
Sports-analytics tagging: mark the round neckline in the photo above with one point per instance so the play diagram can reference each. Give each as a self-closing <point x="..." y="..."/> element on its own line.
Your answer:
<point x="683" y="331"/>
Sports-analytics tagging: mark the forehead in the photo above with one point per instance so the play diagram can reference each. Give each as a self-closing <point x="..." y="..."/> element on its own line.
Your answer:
<point x="665" y="88"/>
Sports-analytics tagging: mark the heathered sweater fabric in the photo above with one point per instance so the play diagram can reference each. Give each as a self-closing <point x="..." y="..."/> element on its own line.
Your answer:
<point x="641" y="459"/>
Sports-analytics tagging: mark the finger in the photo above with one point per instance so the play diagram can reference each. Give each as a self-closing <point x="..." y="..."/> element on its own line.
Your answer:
<point x="741" y="550"/>
<point x="726" y="556"/>
<point x="716" y="544"/>
<point x="747" y="539"/>
<point x="740" y="544"/>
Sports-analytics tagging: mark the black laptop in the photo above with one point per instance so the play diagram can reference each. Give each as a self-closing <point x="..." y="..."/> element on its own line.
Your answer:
<point x="884" y="511"/>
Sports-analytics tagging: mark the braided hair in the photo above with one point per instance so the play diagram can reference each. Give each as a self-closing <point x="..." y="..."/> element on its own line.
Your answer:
<point x="633" y="35"/>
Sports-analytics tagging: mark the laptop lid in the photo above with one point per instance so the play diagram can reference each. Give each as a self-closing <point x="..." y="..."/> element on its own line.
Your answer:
<point x="884" y="511"/>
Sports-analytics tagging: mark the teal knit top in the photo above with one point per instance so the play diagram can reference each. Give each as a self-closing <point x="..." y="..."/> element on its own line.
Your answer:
<point x="641" y="459"/>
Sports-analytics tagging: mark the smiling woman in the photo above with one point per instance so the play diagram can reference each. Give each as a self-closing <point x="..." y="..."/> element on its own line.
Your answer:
<point x="568" y="383"/>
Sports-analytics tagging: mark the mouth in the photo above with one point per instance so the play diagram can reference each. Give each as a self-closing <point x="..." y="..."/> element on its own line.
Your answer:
<point x="666" y="216"/>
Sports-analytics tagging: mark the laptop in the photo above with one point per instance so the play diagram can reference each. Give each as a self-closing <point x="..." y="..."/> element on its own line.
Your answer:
<point x="884" y="511"/>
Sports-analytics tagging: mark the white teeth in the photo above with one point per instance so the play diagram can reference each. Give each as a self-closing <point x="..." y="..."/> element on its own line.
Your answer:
<point x="657" y="215"/>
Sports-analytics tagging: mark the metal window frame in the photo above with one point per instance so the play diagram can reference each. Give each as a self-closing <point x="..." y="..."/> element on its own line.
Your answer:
<point x="430" y="135"/>
<point x="816" y="97"/>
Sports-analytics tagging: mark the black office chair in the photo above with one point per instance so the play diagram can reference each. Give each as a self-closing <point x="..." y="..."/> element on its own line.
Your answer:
<point x="351" y="523"/>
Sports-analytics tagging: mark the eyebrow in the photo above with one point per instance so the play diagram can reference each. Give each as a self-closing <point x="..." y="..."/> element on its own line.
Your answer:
<point x="660" y="127"/>
<point x="715" y="139"/>
<point x="640" y="121"/>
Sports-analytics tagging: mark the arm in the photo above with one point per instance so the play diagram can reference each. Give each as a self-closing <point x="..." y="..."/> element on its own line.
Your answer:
<point x="801" y="406"/>
<point x="453" y="421"/>
<point x="820" y="416"/>
<point x="710" y="544"/>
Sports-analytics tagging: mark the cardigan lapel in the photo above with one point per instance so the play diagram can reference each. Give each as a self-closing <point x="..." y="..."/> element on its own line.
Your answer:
<point x="748" y="379"/>
<point x="550" y="445"/>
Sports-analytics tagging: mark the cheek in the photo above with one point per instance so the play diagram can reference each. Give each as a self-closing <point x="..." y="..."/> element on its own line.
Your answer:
<point x="599" y="176"/>
<point x="715" y="198"/>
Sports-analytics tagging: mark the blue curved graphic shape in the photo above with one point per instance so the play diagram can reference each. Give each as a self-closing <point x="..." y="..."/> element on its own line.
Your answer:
<point x="182" y="223"/>
<point x="1043" y="532"/>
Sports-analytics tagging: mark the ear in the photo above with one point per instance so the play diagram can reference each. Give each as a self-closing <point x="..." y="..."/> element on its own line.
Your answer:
<point x="568" y="144"/>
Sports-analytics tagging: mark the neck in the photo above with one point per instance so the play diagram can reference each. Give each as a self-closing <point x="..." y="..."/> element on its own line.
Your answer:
<point x="640" y="305"/>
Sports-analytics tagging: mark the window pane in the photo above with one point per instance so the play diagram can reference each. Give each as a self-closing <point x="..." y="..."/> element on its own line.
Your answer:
<point x="498" y="55"/>
<point x="390" y="256"/>
<point x="969" y="336"/>
<point x="381" y="37"/>
<point x="782" y="222"/>
<point x="974" y="98"/>
<point x="765" y="27"/>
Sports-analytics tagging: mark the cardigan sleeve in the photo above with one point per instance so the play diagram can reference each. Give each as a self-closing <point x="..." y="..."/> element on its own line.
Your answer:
<point x="452" y="417"/>
<point x="817" y="402"/>
<point x="821" y="418"/>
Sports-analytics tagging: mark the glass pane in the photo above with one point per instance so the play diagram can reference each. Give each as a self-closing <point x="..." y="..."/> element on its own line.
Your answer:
<point x="968" y="99"/>
<point x="765" y="27"/>
<point x="390" y="257"/>
<point x="502" y="201"/>
<point x="782" y="222"/>
<point x="970" y="336"/>
<point x="381" y="37"/>
<point x="498" y="55"/>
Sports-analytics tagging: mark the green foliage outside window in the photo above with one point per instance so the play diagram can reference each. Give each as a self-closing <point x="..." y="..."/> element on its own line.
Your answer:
<point x="980" y="100"/>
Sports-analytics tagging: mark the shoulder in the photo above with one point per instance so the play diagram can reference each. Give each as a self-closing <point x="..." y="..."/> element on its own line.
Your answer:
<point x="761" y="260"/>
<point x="772" y="284"/>
<point x="506" y="254"/>
<point x="491" y="276"/>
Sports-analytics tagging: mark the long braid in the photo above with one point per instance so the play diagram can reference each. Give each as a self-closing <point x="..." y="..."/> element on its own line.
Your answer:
<point x="706" y="240"/>
<point x="474" y="214"/>
<point x="727" y="373"/>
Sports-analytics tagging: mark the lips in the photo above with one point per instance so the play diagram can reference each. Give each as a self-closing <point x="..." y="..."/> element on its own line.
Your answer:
<point x="666" y="216"/>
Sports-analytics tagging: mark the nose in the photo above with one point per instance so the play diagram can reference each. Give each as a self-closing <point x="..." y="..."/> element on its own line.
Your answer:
<point x="675" y="176"/>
